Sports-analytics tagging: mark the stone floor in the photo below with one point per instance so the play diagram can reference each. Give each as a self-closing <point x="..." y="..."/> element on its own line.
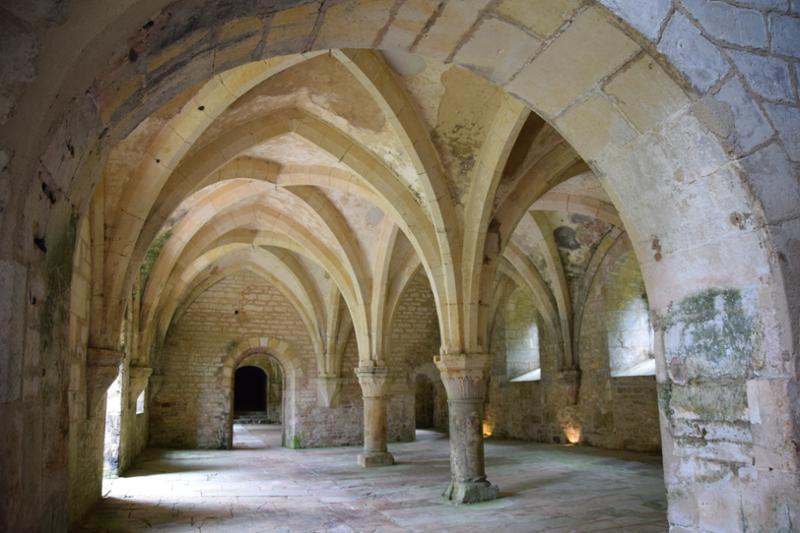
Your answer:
<point x="262" y="487"/>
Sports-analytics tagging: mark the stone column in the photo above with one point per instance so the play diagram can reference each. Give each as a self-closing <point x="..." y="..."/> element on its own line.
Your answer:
<point x="463" y="378"/>
<point x="373" y="381"/>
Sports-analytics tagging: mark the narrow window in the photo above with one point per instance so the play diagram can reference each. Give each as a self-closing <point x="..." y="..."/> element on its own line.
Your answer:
<point x="140" y="403"/>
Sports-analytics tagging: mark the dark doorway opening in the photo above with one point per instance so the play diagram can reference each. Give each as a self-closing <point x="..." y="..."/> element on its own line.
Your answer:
<point x="424" y="402"/>
<point x="250" y="390"/>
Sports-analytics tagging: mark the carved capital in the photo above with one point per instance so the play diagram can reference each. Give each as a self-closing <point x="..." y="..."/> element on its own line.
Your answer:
<point x="138" y="378"/>
<point x="328" y="386"/>
<point x="102" y="368"/>
<point x="374" y="381"/>
<point x="463" y="375"/>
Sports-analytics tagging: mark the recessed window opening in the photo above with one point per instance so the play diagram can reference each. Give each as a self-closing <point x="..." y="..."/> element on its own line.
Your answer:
<point x="630" y="334"/>
<point x="111" y="441"/>
<point x="140" y="402"/>
<point x="522" y="338"/>
<point x="424" y="399"/>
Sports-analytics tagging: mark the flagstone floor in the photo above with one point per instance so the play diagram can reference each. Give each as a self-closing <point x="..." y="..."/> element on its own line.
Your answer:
<point x="260" y="486"/>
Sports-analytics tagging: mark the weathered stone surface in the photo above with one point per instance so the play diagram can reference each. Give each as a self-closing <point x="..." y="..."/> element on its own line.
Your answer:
<point x="767" y="76"/>
<point x="18" y="67"/>
<point x="731" y="24"/>
<point x="773" y="176"/>
<point x="352" y="23"/>
<point x="546" y="18"/>
<point x="646" y="17"/>
<point x="787" y="121"/>
<point x="746" y="125"/>
<point x="711" y="334"/>
<point x="408" y="23"/>
<point x="451" y="24"/>
<point x="290" y="29"/>
<point x="12" y="284"/>
<point x="785" y="34"/>
<point x="570" y="66"/>
<point x="696" y="57"/>
<point x="722" y="402"/>
<point x="781" y="5"/>
<point x="593" y="125"/>
<point x="645" y="93"/>
<point x="468" y="483"/>
<point x="771" y="396"/>
<point x="496" y="50"/>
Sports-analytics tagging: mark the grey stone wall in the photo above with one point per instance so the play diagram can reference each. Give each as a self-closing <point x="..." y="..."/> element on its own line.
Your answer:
<point x="413" y="343"/>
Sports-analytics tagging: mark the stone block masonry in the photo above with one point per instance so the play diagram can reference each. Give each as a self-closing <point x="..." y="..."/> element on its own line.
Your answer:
<point x="609" y="412"/>
<point x="192" y="407"/>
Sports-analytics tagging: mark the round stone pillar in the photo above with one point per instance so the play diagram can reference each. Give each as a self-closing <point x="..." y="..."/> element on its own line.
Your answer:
<point x="374" y="384"/>
<point x="464" y="381"/>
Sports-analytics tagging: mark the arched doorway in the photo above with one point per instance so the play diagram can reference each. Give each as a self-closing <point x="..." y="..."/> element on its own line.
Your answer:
<point x="259" y="388"/>
<point x="250" y="394"/>
<point x="424" y="402"/>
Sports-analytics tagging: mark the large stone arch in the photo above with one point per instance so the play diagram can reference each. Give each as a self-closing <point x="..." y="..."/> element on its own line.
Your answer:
<point x="281" y="352"/>
<point x="630" y="99"/>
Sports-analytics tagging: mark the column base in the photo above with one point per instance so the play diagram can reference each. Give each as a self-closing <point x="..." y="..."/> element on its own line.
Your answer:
<point x="471" y="491"/>
<point x="372" y="459"/>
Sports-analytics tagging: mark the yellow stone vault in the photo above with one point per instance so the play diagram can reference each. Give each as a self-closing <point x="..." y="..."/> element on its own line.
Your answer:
<point x="503" y="162"/>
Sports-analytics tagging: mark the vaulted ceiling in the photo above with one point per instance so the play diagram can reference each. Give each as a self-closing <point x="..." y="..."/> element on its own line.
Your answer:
<point x="314" y="171"/>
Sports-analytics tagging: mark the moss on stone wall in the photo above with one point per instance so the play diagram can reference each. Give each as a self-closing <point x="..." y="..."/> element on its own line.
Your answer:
<point x="152" y="255"/>
<point x="59" y="277"/>
<point x="665" y="399"/>
<point x="710" y="334"/>
<point x="296" y="441"/>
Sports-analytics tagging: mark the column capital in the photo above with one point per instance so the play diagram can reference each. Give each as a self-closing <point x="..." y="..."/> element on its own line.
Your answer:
<point x="374" y="381"/>
<point x="463" y="375"/>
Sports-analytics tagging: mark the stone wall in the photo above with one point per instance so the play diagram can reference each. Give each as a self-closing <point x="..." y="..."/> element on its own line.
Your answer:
<point x="617" y="412"/>
<point x="520" y="410"/>
<point x="86" y="420"/>
<point x="733" y="135"/>
<point x="192" y="407"/>
<point x="626" y="312"/>
<point x="133" y="426"/>
<point x="88" y="407"/>
<point x="521" y="335"/>
<point x="414" y="341"/>
<point x="611" y="412"/>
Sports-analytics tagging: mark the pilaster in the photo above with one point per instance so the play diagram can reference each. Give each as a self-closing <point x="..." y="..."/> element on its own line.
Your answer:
<point x="102" y="368"/>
